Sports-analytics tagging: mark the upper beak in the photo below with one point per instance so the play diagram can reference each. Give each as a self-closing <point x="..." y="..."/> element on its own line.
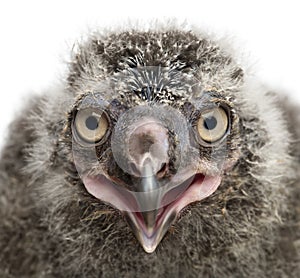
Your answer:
<point x="148" y="224"/>
<point x="149" y="198"/>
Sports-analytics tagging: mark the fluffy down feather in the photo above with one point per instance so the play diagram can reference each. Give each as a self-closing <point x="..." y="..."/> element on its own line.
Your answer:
<point x="250" y="227"/>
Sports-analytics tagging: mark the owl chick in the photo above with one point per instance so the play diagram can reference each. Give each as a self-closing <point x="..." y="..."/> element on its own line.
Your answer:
<point x="158" y="157"/>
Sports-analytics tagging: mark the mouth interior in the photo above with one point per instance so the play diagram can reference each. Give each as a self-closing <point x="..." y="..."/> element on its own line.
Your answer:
<point x="151" y="225"/>
<point x="170" y="199"/>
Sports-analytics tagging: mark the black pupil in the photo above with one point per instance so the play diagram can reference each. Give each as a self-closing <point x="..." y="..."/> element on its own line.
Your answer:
<point x="91" y="123"/>
<point x="210" y="123"/>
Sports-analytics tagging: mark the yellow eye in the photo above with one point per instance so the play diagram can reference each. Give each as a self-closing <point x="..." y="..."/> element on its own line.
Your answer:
<point x="91" y="125"/>
<point x="212" y="125"/>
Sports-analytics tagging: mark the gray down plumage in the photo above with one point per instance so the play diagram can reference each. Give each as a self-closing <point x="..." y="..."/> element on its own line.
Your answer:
<point x="50" y="226"/>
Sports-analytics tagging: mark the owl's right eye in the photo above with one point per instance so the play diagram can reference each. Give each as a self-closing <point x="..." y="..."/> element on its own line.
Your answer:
<point x="91" y="125"/>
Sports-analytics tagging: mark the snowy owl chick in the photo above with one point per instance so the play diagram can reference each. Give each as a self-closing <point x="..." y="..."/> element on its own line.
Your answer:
<point x="158" y="157"/>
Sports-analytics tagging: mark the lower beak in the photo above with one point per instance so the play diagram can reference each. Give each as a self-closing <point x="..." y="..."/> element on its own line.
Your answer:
<point x="147" y="229"/>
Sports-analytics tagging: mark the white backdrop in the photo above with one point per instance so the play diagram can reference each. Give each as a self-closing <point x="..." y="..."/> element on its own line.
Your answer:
<point x="37" y="35"/>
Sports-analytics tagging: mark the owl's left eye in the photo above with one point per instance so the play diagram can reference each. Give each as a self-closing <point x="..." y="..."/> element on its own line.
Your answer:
<point x="213" y="125"/>
<point x="91" y="125"/>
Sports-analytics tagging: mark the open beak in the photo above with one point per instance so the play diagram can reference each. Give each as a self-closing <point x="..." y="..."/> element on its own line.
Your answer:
<point x="158" y="198"/>
<point x="151" y="213"/>
<point x="164" y="204"/>
<point x="150" y="223"/>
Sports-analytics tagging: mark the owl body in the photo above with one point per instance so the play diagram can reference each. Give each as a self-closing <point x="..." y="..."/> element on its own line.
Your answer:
<point x="53" y="225"/>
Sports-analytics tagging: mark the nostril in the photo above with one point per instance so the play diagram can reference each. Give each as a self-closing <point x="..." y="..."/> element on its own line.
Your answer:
<point x="134" y="169"/>
<point x="164" y="168"/>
